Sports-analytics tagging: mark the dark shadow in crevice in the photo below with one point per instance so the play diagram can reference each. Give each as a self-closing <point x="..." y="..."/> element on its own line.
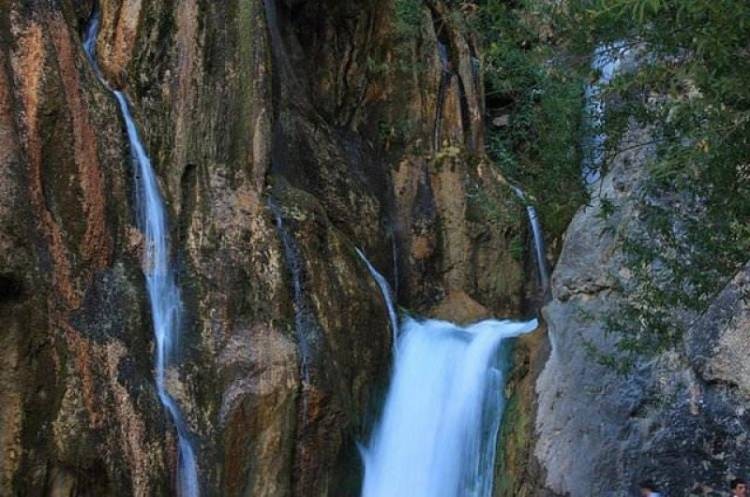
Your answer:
<point x="11" y="289"/>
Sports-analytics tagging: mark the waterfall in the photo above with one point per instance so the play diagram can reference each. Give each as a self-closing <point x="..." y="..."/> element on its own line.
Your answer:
<point x="445" y="80"/>
<point x="538" y="238"/>
<point x="606" y="62"/>
<point x="385" y="290"/>
<point x="539" y="252"/>
<point x="438" y="432"/>
<point x="163" y="292"/>
<point x="282" y="62"/>
<point x="304" y="321"/>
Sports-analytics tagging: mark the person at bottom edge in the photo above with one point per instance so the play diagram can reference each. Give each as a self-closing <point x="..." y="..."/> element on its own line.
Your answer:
<point x="738" y="487"/>
<point x="648" y="489"/>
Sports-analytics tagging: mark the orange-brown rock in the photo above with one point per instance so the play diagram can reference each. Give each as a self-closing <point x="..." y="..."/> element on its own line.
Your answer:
<point x="319" y="105"/>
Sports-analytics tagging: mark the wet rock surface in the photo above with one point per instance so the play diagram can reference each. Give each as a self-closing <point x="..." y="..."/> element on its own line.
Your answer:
<point x="237" y="103"/>
<point x="361" y="138"/>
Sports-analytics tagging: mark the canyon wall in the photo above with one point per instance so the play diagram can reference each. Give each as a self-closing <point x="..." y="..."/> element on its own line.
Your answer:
<point x="360" y="135"/>
<point x="578" y="425"/>
<point x="286" y="134"/>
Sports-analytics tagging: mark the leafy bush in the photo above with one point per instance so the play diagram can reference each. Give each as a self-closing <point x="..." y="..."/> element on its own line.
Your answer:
<point x="530" y="81"/>
<point x="408" y="18"/>
<point x="690" y="87"/>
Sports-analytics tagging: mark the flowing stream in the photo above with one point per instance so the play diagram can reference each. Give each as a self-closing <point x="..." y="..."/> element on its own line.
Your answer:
<point x="538" y="238"/>
<point x="606" y="62"/>
<point x="385" y="290"/>
<point x="163" y="292"/>
<point x="438" y="432"/>
<point x="304" y="321"/>
<point x="445" y="80"/>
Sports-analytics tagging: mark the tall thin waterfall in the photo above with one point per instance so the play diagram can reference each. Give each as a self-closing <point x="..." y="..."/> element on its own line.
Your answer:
<point x="385" y="290"/>
<point x="438" y="432"/>
<point x="304" y="321"/>
<point x="163" y="292"/>
<point x="539" y="251"/>
<point x="606" y="61"/>
<point x="445" y="80"/>
<point x="538" y="238"/>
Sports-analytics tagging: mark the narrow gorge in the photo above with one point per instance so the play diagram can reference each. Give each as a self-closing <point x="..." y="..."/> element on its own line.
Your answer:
<point x="431" y="248"/>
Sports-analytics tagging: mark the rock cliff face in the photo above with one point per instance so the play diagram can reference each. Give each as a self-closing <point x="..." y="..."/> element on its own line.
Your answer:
<point x="285" y="134"/>
<point x="679" y="419"/>
<point x="362" y="138"/>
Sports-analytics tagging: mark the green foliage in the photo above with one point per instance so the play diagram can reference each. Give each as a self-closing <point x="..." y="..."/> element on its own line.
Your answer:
<point x="604" y="359"/>
<point x="409" y="18"/>
<point x="491" y="211"/>
<point x="690" y="89"/>
<point x="606" y="208"/>
<point x="528" y="80"/>
<point x="517" y="248"/>
<point x="409" y="22"/>
<point x="396" y="132"/>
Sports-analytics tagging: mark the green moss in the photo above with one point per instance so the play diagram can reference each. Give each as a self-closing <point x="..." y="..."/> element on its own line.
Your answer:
<point x="514" y="422"/>
<point x="248" y="17"/>
<point x="517" y="248"/>
<point x="516" y="436"/>
<point x="496" y="206"/>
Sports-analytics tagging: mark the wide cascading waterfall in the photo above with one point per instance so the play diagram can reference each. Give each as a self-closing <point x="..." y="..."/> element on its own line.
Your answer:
<point x="438" y="432"/>
<point x="385" y="290"/>
<point x="163" y="292"/>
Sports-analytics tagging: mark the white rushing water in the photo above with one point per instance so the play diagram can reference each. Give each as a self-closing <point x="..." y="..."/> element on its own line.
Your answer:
<point x="539" y="252"/>
<point x="438" y="432"/>
<point x="163" y="292"/>
<point x="606" y="62"/>
<point x="385" y="290"/>
<point x="537" y="237"/>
